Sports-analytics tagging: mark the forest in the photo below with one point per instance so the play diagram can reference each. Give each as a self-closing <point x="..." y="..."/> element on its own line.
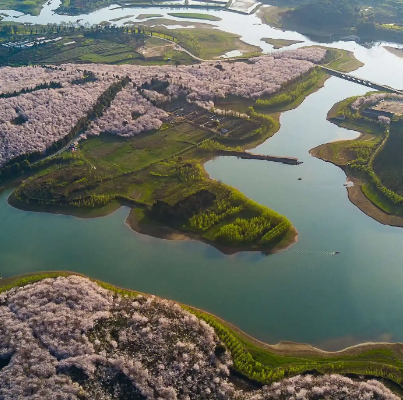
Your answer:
<point x="334" y="13"/>
<point x="99" y="340"/>
<point x="369" y="20"/>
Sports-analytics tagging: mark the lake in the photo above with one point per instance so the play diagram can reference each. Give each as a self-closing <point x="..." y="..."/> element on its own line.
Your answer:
<point x="306" y="293"/>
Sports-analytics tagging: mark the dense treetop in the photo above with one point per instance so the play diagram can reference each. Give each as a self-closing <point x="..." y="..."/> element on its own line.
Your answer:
<point x="69" y="337"/>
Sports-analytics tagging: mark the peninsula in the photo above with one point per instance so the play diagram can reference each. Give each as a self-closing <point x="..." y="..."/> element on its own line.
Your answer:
<point x="372" y="161"/>
<point x="65" y="333"/>
<point x="145" y="136"/>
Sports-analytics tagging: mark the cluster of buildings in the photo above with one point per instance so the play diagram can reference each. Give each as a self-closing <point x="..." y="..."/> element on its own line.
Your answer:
<point x="29" y="42"/>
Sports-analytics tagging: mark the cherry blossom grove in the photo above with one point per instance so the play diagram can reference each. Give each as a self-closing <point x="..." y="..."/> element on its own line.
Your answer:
<point x="373" y="99"/>
<point x="129" y="114"/>
<point x="31" y="122"/>
<point x="14" y="79"/>
<point x="68" y="338"/>
<point x="260" y="76"/>
<point x="34" y="121"/>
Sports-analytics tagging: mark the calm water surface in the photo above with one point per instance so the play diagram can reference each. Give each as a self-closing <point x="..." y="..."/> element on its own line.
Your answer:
<point x="304" y="294"/>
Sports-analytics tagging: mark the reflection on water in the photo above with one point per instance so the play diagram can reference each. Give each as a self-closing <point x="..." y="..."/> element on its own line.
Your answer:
<point x="304" y="294"/>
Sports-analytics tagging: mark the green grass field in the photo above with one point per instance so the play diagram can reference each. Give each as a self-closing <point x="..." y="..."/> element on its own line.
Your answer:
<point x="32" y="7"/>
<point x="76" y="48"/>
<point x="145" y="16"/>
<point x="210" y="43"/>
<point x="280" y="43"/>
<point x="195" y="16"/>
<point x="343" y="60"/>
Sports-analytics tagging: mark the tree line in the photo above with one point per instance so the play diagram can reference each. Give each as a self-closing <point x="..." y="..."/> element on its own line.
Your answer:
<point x="23" y="162"/>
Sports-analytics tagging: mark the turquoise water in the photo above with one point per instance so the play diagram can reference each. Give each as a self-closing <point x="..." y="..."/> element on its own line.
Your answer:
<point x="304" y="294"/>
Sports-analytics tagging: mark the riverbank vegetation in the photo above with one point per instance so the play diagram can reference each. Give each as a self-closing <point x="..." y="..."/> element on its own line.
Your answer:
<point x="292" y="95"/>
<point x="373" y="159"/>
<point x="122" y="338"/>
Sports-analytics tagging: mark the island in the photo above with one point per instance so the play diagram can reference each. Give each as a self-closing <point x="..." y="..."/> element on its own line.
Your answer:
<point x="145" y="135"/>
<point x="83" y="339"/>
<point x="207" y="17"/>
<point x="372" y="162"/>
<point x="280" y="43"/>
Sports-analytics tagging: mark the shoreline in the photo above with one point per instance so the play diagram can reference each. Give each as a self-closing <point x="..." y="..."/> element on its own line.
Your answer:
<point x="355" y="193"/>
<point x="155" y="231"/>
<point x="167" y="233"/>
<point x="358" y="198"/>
<point x="283" y="347"/>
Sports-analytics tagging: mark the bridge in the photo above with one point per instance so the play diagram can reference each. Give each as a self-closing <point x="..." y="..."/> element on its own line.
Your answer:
<point x="360" y="81"/>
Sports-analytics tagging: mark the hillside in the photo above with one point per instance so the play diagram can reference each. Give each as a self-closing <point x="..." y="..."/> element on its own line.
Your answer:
<point x="66" y="334"/>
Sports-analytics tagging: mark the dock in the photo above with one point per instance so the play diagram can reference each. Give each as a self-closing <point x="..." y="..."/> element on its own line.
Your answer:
<point x="252" y="156"/>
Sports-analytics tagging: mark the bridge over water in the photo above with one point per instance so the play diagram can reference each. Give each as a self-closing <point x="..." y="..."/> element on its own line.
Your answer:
<point x="361" y="81"/>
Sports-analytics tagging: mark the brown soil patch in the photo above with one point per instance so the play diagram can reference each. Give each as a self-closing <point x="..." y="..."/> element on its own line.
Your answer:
<point x="395" y="51"/>
<point x="149" y="51"/>
<point x="358" y="198"/>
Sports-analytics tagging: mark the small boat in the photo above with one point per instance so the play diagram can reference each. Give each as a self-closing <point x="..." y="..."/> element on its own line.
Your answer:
<point x="337" y="252"/>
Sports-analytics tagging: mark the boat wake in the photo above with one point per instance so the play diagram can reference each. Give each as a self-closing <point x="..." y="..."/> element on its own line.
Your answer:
<point x="316" y="252"/>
